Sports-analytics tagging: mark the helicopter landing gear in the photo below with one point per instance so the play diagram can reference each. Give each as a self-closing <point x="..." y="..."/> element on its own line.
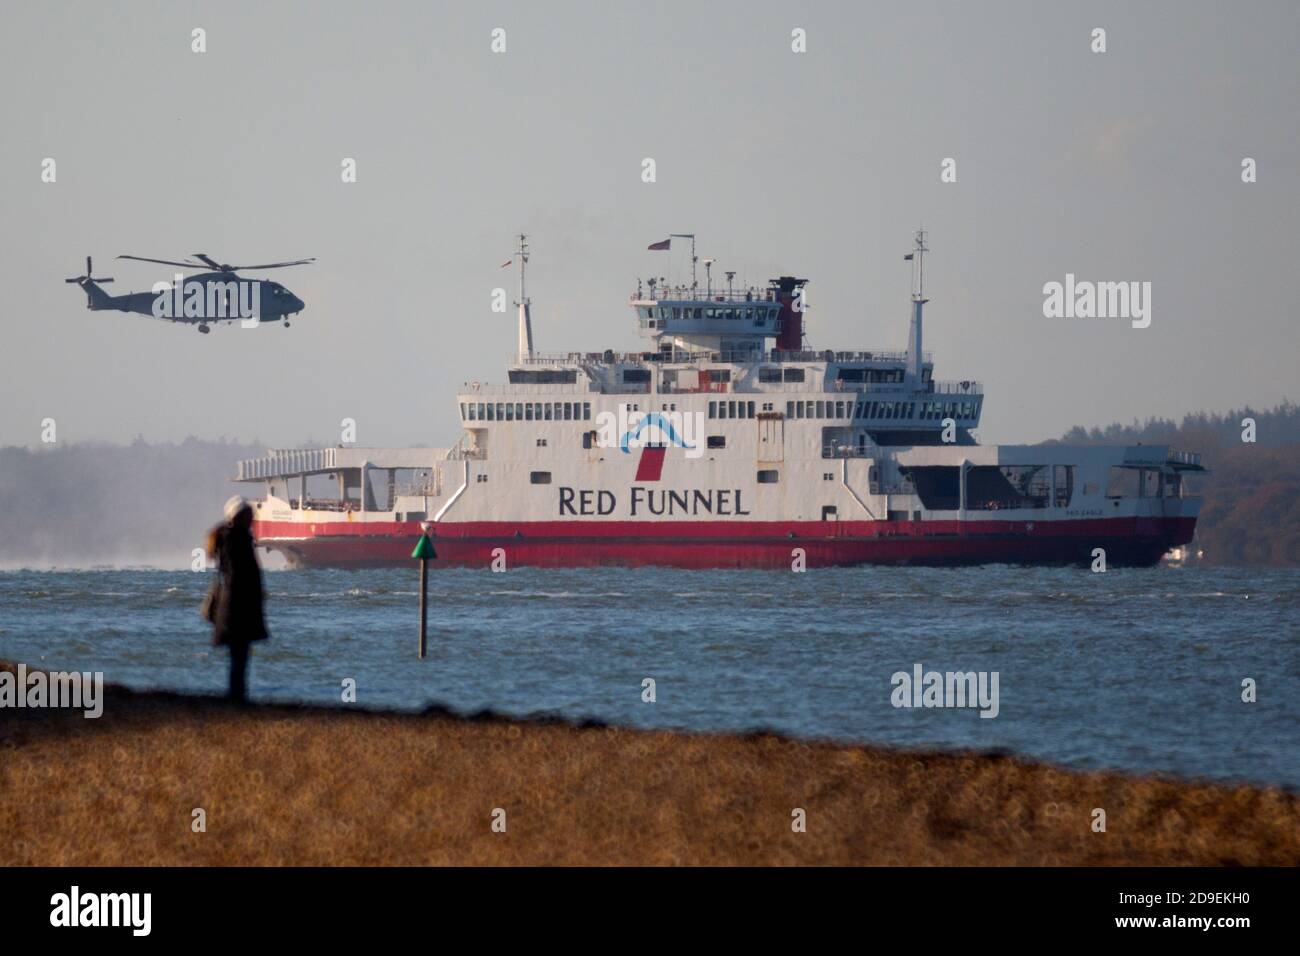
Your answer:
<point x="286" y="323"/>
<point x="204" y="329"/>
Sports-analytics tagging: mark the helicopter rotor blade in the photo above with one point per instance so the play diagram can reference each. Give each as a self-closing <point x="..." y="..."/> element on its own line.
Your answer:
<point x="278" y="265"/>
<point x="212" y="262"/>
<point x="89" y="270"/>
<point x="101" y="281"/>
<point x="168" y="262"/>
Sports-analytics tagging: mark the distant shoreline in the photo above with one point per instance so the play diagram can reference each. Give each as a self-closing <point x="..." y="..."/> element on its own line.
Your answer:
<point x="308" y="785"/>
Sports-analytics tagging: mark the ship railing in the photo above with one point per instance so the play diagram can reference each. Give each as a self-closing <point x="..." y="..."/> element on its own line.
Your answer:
<point x="325" y="504"/>
<point x="957" y="388"/>
<point x="781" y="356"/>
<point x="461" y="452"/>
<point x="682" y="295"/>
<point x="670" y="388"/>
<point x="832" y="355"/>
<point x="832" y="387"/>
<point x="580" y="358"/>
<point x="470" y="389"/>
<point x="729" y="357"/>
<point x="1187" y="459"/>
<point x="287" y="461"/>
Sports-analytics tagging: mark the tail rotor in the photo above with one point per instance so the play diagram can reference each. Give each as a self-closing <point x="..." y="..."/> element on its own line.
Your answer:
<point x="88" y="277"/>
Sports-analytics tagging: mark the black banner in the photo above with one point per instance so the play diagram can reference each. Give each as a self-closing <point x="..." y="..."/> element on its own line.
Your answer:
<point x="328" y="906"/>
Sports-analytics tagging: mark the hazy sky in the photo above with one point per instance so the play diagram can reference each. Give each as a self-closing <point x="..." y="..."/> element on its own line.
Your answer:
<point x="1117" y="166"/>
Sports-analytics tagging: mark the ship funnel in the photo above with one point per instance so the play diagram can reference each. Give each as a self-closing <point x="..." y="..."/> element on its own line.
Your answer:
<point x="787" y="289"/>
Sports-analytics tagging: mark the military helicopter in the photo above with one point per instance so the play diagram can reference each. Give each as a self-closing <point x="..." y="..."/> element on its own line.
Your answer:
<point x="216" y="295"/>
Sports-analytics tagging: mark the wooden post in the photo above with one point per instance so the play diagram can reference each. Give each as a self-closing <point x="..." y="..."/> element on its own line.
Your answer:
<point x="424" y="553"/>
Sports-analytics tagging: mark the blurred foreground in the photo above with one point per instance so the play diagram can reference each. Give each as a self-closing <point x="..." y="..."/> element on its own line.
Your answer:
<point x="320" y="786"/>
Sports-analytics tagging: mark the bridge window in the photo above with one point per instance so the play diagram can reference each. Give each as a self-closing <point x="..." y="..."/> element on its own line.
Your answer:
<point x="1064" y="484"/>
<point x="769" y="375"/>
<point x="542" y="376"/>
<point x="1122" y="482"/>
<point x="794" y="375"/>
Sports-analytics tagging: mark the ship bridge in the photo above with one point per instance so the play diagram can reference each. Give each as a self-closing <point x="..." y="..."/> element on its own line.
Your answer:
<point x="728" y="343"/>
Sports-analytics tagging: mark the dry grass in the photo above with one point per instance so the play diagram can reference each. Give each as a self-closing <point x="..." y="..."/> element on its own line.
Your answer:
<point x="310" y="786"/>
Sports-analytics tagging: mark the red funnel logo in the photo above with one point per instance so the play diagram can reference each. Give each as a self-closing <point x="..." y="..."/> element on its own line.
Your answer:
<point x="651" y="465"/>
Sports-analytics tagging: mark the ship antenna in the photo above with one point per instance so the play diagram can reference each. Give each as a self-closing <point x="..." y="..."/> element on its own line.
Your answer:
<point x="525" y="318"/>
<point x="915" y="355"/>
<point x="690" y="236"/>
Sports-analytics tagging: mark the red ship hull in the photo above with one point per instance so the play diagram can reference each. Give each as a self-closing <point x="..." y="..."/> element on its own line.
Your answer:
<point x="1128" y="542"/>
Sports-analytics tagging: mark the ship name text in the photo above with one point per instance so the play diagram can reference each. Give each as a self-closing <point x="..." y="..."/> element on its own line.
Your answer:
<point x="720" y="502"/>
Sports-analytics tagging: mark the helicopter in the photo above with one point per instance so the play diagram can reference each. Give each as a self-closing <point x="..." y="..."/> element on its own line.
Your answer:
<point x="216" y="295"/>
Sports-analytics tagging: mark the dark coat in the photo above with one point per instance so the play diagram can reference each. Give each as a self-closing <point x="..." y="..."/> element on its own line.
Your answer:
<point x="237" y="606"/>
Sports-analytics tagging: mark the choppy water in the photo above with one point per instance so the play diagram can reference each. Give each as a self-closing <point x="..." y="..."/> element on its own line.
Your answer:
<point x="1133" y="669"/>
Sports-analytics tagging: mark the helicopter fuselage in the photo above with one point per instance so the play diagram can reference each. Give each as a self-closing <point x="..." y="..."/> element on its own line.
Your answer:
<point x="203" y="299"/>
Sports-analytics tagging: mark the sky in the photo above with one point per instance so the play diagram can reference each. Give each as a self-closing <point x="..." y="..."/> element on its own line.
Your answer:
<point x="1117" y="166"/>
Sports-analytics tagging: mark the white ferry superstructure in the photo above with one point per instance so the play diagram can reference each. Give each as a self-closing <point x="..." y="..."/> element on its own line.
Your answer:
<point x="724" y="443"/>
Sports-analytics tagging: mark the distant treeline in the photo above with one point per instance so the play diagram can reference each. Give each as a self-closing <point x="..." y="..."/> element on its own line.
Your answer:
<point x="139" y="504"/>
<point x="1251" y="509"/>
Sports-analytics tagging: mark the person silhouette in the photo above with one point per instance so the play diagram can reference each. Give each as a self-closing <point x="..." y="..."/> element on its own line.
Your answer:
<point x="234" y="606"/>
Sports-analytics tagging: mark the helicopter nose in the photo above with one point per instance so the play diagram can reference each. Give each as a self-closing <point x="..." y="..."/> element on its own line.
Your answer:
<point x="298" y="304"/>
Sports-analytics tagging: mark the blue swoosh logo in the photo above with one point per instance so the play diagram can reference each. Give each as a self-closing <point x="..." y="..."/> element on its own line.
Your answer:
<point x="663" y="424"/>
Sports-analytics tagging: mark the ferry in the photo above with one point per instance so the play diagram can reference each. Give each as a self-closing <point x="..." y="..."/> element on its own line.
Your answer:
<point x="724" y="442"/>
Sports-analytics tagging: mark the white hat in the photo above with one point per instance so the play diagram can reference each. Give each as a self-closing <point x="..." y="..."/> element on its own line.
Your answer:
<point x="234" y="506"/>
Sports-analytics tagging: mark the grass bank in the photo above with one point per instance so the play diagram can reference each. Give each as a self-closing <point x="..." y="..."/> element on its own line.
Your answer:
<point x="312" y="785"/>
